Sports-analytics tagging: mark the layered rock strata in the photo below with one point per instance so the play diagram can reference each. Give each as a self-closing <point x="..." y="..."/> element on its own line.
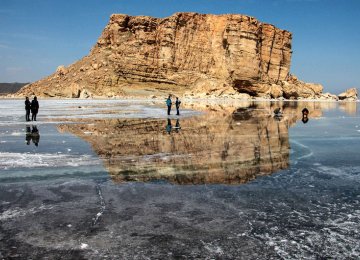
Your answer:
<point x="185" y="54"/>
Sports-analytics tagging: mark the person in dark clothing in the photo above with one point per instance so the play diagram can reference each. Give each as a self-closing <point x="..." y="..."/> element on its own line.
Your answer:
<point x="177" y="105"/>
<point x="27" y="108"/>
<point x="169" y="103"/>
<point x="305" y="112"/>
<point x="34" y="108"/>
<point x="277" y="111"/>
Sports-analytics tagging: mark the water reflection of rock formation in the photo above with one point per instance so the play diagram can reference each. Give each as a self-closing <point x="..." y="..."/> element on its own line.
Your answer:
<point x="219" y="147"/>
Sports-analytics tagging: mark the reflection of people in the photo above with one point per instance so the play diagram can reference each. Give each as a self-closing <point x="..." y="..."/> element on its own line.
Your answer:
<point x="27" y="108"/>
<point x="305" y="119"/>
<point x="177" y="104"/>
<point x="32" y="135"/>
<point x="34" y="108"/>
<point x="168" y="126"/>
<point x="28" y="135"/>
<point x="168" y="103"/>
<point x="35" y="136"/>
<point x="177" y="126"/>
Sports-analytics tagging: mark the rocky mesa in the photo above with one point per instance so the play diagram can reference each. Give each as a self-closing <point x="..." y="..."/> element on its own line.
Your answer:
<point x="186" y="54"/>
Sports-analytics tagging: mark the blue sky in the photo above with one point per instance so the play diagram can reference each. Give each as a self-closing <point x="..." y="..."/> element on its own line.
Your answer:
<point x="38" y="35"/>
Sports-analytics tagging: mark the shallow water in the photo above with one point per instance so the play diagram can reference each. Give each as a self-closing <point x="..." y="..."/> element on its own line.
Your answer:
<point x="119" y="179"/>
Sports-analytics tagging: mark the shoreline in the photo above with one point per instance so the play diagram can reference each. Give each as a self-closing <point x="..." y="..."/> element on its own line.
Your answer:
<point x="189" y="100"/>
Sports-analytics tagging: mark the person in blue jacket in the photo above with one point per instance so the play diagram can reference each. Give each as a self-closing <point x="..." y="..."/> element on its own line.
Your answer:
<point x="169" y="103"/>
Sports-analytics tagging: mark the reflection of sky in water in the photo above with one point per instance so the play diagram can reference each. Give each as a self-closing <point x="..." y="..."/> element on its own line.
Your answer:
<point x="310" y="210"/>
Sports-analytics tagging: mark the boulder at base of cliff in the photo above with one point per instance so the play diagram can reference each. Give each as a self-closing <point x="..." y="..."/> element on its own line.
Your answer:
<point x="72" y="91"/>
<point x="349" y="95"/>
<point x="295" y="89"/>
<point x="276" y="91"/>
<point x="328" y="96"/>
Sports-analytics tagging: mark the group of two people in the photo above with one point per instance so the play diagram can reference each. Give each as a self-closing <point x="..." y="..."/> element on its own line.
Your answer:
<point x="32" y="106"/>
<point x="169" y="104"/>
<point x="305" y="113"/>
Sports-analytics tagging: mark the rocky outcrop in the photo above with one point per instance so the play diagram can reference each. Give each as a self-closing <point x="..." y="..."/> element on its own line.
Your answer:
<point x="186" y="53"/>
<point x="349" y="95"/>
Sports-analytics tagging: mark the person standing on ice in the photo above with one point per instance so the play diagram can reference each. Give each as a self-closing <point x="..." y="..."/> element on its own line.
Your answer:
<point x="27" y="108"/>
<point x="177" y="105"/>
<point x="168" y="103"/>
<point x="34" y="108"/>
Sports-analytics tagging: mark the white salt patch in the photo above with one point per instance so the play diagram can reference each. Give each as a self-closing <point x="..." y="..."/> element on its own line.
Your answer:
<point x="17" y="212"/>
<point x="28" y="160"/>
<point x="84" y="246"/>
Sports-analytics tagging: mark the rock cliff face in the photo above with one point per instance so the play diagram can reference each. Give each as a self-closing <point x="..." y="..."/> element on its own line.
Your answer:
<point x="186" y="53"/>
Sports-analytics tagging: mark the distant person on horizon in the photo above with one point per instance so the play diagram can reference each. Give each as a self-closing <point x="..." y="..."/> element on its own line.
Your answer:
<point x="305" y="112"/>
<point x="168" y="103"/>
<point x="34" y="108"/>
<point x="277" y="111"/>
<point x="177" y="105"/>
<point x="27" y="108"/>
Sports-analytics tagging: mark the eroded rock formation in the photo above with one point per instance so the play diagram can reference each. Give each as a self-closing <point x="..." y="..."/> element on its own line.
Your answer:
<point x="349" y="95"/>
<point x="186" y="53"/>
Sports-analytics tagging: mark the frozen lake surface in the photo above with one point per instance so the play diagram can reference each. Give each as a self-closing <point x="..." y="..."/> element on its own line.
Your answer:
<point x="119" y="179"/>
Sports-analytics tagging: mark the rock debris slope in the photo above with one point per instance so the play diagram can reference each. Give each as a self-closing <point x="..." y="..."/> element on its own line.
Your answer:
<point x="186" y="54"/>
